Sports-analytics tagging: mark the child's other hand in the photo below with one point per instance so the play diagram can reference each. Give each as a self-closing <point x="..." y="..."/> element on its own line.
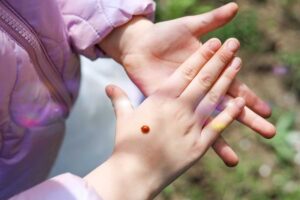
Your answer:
<point x="177" y="116"/>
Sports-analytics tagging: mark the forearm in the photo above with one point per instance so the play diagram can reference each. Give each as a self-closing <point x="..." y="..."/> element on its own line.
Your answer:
<point x="66" y="187"/>
<point x="117" y="43"/>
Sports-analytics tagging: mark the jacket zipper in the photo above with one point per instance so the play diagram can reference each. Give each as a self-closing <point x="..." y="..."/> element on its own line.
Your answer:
<point x="25" y="36"/>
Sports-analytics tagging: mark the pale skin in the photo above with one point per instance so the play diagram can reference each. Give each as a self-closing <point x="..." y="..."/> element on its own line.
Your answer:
<point x="143" y="164"/>
<point x="154" y="51"/>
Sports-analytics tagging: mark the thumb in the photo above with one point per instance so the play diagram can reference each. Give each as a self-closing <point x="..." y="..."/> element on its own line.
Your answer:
<point x="120" y="100"/>
<point x="207" y="22"/>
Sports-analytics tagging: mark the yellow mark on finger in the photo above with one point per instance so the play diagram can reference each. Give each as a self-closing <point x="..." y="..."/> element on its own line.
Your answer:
<point x="218" y="126"/>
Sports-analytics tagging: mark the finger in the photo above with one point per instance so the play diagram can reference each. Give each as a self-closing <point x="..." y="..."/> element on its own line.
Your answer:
<point x="207" y="22"/>
<point x="210" y="72"/>
<point x="182" y="77"/>
<point x="214" y="128"/>
<point x="252" y="120"/>
<point x="239" y="89"/>
<point x="210" y="102"/>
<point x="225" y="152"/>
<point x="120" y="100"/>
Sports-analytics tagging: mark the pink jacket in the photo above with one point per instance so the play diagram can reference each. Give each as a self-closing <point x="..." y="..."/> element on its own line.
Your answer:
<point x="39" y="79"/>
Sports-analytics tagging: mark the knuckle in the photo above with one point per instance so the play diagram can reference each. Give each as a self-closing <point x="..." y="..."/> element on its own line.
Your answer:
<point x="213" y="97"/>
<point x="243" y="91"/>
<point x="229" y="75"/>
<point x="206" y="81"/>
<point x="183" y="115"/>
<point x="206" y="54"/>
<point x="229" y="116"/>
<point x="225" y="102"/>
<point x="224" y="57"/>
<point x="231" y="112"/>
<point x="189" y="73"/>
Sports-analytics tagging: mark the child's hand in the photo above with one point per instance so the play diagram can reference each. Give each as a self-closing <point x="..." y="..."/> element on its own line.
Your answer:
<point x="176" y="115"/>
<point x="154" y="51"/>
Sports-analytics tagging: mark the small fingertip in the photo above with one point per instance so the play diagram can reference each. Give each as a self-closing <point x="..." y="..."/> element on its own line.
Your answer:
<point x="264" y="109"/>
<point x="268" y="113"/>
<point x="227" y="12"/>
<point x="215" y="39"/>
<point x="234" y="6"/>
<point x="230" y="158"/>
<point x="109" y="89"/>
<point x="233" y="162"/>
<point x="214" y="44"/>
<point x="270" y="132"/>
<point x="233" y="44"/>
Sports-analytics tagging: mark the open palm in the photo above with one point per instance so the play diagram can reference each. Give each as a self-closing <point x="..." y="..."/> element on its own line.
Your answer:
<point x="158" y="53"/>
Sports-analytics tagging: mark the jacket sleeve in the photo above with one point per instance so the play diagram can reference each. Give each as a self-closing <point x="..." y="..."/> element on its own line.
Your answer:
<point x="89" y="21"/>
<point x="63" y="187"/>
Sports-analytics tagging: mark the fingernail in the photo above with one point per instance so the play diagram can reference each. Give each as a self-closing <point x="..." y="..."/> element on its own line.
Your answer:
<point x="236" y="63"/>
<point x="240" y="102"/>
<point x="233" y="45"/>
<point x="214" y="45"/>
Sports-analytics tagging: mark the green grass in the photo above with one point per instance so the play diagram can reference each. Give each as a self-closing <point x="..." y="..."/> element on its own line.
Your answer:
<point x="243" y="27"/>
<point x="292" y="61"/>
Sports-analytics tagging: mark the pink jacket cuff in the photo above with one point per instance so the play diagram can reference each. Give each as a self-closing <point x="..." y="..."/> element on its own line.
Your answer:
<point x="63" y="187"/>
<point x="89" y="21"/>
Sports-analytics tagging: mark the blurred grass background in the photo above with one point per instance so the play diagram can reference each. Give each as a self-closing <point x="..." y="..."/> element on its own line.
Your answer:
<point x="269" y="31"/>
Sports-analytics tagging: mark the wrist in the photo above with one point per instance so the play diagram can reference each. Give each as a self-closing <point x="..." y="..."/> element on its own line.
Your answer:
<point x="119" y="41"/>
<point x="120" y="178"/>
